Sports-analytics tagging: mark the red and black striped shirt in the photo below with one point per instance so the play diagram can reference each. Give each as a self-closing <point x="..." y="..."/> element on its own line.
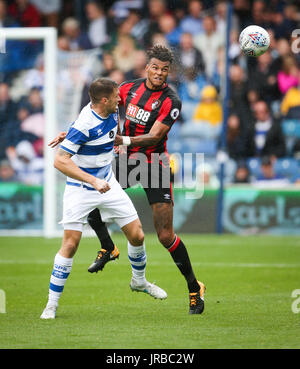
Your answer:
<point x="143" y="107"/>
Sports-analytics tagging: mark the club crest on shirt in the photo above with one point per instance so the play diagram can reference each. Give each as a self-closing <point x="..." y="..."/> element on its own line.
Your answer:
<point x="155" y="104"/>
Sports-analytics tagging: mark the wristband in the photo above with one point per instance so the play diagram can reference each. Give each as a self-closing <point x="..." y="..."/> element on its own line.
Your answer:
<point x="126" y="140"/>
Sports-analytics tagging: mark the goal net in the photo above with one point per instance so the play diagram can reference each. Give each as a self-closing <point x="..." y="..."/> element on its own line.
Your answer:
<point x="31" y="67"/>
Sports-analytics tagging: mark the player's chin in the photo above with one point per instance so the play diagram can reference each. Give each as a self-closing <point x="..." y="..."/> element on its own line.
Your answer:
<point x="157" y="82"/>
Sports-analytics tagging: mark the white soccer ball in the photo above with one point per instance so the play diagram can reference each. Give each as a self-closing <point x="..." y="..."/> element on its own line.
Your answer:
<point x="254" y="41"/>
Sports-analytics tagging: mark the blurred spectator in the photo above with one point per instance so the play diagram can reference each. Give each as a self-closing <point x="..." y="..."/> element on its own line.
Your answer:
<point x="5" y="19"/>
<point x="138" y="70"/>
<point x="7" y="174"/>
<point x="139" y="26"/>
<point x="283" y="49"/>
<point x="97" y="27"/>
<point x="264" y="136"/>
<point x="235" y="138"/>
<point x="34" y="78"/>
<point x="117" y="75"/>
<point x="192" y="22"/>
<point x="206" y="176"/>
<point x="284" y="22"/>
<point x="238" y="93"/>
<point x="168" y="27"/>
<point x="28" y="167"/>
<point x="242" y="173"/>
<point x="263" y="78"/>
<point x="290" y="105"/>
<point x="156" y="8"/>
<point x="63" y="43"/>
<point x="159" y="39"/>
<point x="34" y="124"/>
<point x="242" y="9"/>
<point x="8" y="118"/>
<point x="74" y="38"/>
<point x="220" y="17"/>
<point x="189" y="57"/>
<point x="234" y="52"/>
<point x="259" y="13"/>
<point x="7" y="105"/>
<point x="296" y="151"/>
<point x="33" y="103"/>
<point x="268" y="176"/>
<point x="209" y="111"/>
<point x="208" y="43"/>
<point x="124" y="53"/>
<point x="25" y="13"/>
<point x="189" y="90"/>
<point x="49" y="11"/>
<point x="121" y="9"/>
<point x="289" y="74"/>
<point x="108" y="64"/>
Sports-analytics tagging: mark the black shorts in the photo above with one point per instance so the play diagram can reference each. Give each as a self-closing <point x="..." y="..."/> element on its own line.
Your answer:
<point x="155" y="177"/>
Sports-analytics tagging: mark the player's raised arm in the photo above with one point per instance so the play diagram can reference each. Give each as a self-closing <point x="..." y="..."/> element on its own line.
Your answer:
<point x="65" y="165"/>
<point x="155" y="135"/>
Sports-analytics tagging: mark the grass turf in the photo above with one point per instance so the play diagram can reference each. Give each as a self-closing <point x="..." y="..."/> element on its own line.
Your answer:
<point x="247" y="304"/>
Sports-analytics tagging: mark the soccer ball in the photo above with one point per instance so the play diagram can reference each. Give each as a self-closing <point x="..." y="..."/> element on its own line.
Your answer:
<point x="254" y="41"/>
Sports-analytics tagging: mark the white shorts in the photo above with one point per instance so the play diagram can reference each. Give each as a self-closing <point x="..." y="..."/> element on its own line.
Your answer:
<point x="114" y="205"/>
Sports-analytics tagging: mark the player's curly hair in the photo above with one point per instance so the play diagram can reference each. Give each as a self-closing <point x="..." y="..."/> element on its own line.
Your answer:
<point x="161" y="53"/>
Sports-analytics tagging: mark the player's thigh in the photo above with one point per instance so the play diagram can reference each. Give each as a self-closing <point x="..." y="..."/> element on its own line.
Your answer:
<point x="163" y="222"/>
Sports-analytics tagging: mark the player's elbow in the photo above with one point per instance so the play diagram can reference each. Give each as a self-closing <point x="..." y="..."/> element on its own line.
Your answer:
<point x="58" y="163"/>
<point x="156" y="138"/>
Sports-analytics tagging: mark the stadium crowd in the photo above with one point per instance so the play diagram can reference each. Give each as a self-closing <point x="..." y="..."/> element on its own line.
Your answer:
<point x="264" y="108"/>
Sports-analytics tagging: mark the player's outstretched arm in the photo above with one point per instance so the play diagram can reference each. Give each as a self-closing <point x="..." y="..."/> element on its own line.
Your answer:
<point x="58" y="139"/>
<point x="155" y="135"/>
<point x="65" y="165"/>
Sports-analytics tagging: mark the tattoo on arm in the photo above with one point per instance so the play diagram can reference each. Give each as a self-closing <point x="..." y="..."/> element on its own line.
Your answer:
<point x="63" y="153"/>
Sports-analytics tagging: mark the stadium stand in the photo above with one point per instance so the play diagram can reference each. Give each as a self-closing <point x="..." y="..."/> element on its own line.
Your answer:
<point x="129" y="28"/>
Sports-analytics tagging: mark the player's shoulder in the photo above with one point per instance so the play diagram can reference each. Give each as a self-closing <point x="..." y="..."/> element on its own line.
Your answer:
<point x="132" y="82"/>
<point x="171" y="93"/>
<point x="85" y="119"/>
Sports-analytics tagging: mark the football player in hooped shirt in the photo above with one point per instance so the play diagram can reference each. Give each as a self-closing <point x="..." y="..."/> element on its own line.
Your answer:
<point x="151" y="108"/>
<point x="85" y="157"/>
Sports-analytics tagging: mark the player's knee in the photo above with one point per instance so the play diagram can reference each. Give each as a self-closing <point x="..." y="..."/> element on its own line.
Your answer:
<point x="137" y="237"/>
<point x="165" y="237"/>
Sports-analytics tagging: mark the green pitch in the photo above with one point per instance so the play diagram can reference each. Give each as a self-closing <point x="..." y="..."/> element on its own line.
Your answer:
<point x="248" y="302"/>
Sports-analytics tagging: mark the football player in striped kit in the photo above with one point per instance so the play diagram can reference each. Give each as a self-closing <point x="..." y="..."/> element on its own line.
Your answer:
<point x="85" y="157"/>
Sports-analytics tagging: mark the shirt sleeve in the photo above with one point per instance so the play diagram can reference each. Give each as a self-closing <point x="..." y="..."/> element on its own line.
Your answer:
<point x="169" y="111"/>
<point x="74" y="139"/>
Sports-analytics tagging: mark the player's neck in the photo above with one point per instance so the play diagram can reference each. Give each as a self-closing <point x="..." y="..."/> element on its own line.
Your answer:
<point x="100" y="111"/>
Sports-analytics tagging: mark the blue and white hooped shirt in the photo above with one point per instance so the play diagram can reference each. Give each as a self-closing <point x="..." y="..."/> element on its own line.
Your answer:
<point x="90" y="140"/>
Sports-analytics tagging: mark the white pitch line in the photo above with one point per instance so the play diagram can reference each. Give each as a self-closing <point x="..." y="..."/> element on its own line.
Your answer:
<point x="157" y="263"/>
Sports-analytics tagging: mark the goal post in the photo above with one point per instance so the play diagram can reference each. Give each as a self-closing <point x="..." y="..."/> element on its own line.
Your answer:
<point x="49" y="36"/>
